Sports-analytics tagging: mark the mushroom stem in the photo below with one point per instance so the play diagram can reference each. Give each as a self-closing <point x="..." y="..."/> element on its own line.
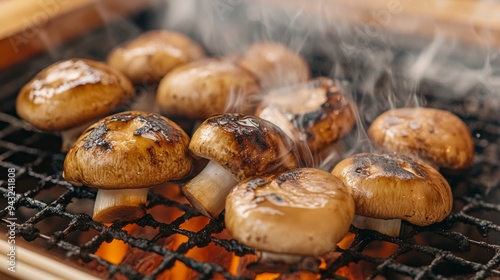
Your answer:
<point x="389" y="227"/>
<point x="280" y="262"/>
<point x="69" y="136"/>
<point x="207" y="191"/>
<point x="119" y="205"/>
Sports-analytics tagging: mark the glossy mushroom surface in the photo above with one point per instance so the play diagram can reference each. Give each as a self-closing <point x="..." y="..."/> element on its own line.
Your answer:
<point x="71" y="92"/>
<point x="275" y="65"/>
<point x="205" y="88"/>
<point x="395" y="187"/>
<point x="153" y="54"/>
<point x="124" y="153"/>
<point x="302" y="212"/>
<point x="69" y="95"/>
<point x="238" y="146"/>
<point x="435" y="136"/>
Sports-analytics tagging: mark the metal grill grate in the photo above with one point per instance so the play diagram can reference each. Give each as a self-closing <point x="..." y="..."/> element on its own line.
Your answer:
<point x="465" y="245"/>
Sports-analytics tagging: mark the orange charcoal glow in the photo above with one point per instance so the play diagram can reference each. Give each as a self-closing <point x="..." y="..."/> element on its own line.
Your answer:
<point x="115" y="251"/>
<point x="235" y="263"/>
<point x="267" y="276"/>
<point x="346" y="241"/>
<point x="362" y="269"/>
<point x="210" y="253"/>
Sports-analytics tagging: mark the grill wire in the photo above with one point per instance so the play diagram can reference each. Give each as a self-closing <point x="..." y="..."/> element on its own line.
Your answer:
<point x="467" y="243"/>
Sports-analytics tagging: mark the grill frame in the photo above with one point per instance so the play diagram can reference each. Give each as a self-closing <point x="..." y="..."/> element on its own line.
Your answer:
<point x="472" y="193"/>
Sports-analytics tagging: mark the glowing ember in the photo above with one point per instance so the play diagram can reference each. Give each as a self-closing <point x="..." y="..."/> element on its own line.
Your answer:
<point x="114" y="251"/>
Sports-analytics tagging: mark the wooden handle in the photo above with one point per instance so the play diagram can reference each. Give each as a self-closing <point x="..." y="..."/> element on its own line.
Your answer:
<point x="31" y="265"/>
<point x="30" y="27"/>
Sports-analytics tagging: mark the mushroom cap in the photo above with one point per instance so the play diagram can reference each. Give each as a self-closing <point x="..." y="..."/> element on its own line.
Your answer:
<point x="71" y="92"/>
<point x="304" y="211"/>
<point x="436" y="136"/>
<point x="395" y="187"/>
<point x="203" y="88"/>
<point x="129" y="150"/>
<point x="244" y="145"/>
<point x="319" y="111"/>
<point x="275" y="65"/>
<point x="153" y="54"/>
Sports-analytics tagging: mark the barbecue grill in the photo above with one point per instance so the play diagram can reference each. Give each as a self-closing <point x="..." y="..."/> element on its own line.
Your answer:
<point x="53" y="219"/>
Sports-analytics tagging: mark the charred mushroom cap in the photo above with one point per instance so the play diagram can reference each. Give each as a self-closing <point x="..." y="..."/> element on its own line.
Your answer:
<point x="304" y="211"/>
<point x="129" y="150"/>
<point x="245" y="145"/>
<point x="436" y="136"/>
<point x="153" y="54"/>
<point x="395" y="187"/>
<point x="275" y="65"/>
<point x="126" y="152"/>
<point x="205" y="88"/>
<point x="318" y="113"/>
<point x="238" y="146"/>
<point x="71" y="92"/>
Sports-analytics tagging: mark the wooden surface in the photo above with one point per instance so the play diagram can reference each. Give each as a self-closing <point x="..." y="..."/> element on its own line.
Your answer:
<point x="32" y="265"/>
<point x="29" y="27"/>
<point x="469" y="21"/>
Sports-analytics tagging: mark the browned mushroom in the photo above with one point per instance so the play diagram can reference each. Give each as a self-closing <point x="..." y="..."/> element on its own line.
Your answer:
<point x="238" y="146"/>
<point x="275" y="65"/>
<point x="70" y="95"/>
<point x="389" y="188"/>
<point x="290" y="215"/>
<point x="315" y="115"/>
<point x="123" y="155"/>
<point x="207" y="87"/>
<point x="153" y="54"/>
<point x="435" y="136"/>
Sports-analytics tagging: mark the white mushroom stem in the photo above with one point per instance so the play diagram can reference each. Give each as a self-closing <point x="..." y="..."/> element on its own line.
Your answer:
<point x="390" y="227"/>
<point x="118" y="205"/>
<point x="207" y="191"/>
<point x="69" y="136"/>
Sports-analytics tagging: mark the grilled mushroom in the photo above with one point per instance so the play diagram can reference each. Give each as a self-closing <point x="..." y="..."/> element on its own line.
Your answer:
<point x="315" y="115"/>
<point x="153" y="54"/>
<point x="389" y="188"/>
<point x="123" y="155"/>
<point x="207" y="87"/>
<point x="435" y="136"/>
<point x="275" y="65"/>
<point x="70" y="95"/>
<point x="237" y="147"/>
<point x="278" y="215"/>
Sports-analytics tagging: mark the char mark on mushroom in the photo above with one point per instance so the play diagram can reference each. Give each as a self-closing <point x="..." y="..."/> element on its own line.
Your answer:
<point x="335" y="100"/>
<point x="96" y="138"/>
<point x="153" y="123"/>
<point x="398" y="167"/>
<point x="246" y="131"/>
<point x="256" y="182"/>
<point x="290" y="175"/>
